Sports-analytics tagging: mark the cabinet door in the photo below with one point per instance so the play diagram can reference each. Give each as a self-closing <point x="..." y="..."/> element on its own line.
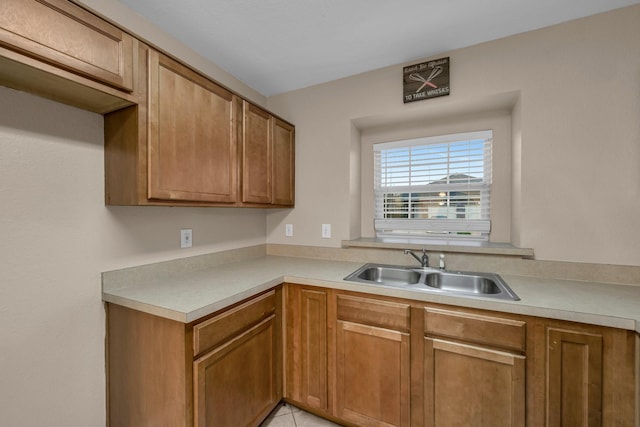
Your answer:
<point x="306" y="321"/>
<point x="67" y="36"/>
<point x="472" y="386"/>
<point x="235" y="384"/>
<point x="283" y="167"/>
<point x="192" y="143"/>
<point x="256" y="155"/>
<point x="372" y="375"/>
<point x="574" y="378"/>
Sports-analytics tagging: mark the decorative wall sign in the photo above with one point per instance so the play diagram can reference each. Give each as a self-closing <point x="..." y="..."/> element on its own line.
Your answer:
<point x="426" y="80"/>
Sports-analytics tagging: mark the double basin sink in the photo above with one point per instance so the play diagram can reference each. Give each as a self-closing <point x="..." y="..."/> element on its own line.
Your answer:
<point x="487" y="285"/>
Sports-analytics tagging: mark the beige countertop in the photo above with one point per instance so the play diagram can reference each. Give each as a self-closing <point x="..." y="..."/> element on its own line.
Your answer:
<point x="187" y="295"/>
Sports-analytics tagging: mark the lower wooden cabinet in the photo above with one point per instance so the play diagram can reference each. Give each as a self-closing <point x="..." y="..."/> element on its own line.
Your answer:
<point x="574" y="371"/>
<point x="307" y="347"/>
<point x="372" y="375"/>
<point x="365" y="360"/>
<point x="589" y="376"/>
<point x="235" y="383"/>
<point x="470" y="385"/>
<point x="224" y="371"/>
<point x="372" y="362"/>
<point x="393" y="362"/>
<point x="474" y="369"/>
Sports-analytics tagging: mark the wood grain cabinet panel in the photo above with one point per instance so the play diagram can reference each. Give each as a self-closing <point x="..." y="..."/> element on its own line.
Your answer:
<point x="234" y="384"/>
<point x="256" y="155"/>
<point x="375" y="312"/>
<point x="582" y="375"/>
<point x="372" y="375"/>
<point x="476" y="328"/>
<point x="574" y="376"/>
<point x="268" y="158"/>
<point x="192" y="143"/>
<point x="156" y="378"/>
<point x="283" y="163"/>
<point x="474" y="369"/>
<point x="214" y="331"/>
<point x="307" y="367"/>
<point x="467" y="385"/>
<point x="373" y="382"/>
<point x="67" y="36"/>
<point x="149" y="370"/>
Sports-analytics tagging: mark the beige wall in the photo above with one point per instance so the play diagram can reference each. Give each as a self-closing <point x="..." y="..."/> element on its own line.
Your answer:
<point x="573" y="92"/>
<point x="57" y="237"/>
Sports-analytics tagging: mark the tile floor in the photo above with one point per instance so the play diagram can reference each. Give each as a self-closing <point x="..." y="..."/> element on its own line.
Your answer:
<point x="286" y="415"/>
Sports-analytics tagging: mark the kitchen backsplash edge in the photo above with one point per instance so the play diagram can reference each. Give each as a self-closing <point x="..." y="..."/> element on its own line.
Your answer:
<point x="502" y="264"/>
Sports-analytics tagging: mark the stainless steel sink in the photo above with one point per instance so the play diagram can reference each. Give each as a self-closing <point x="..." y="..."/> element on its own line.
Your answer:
<point x="390" y="275"/>
<point x="487" y="285"/>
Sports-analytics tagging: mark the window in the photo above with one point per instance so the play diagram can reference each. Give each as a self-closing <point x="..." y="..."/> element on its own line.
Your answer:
<point x="434" y="187"/>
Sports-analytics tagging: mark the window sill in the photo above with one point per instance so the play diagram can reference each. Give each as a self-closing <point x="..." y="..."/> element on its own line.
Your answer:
<point x="466" y="247"/>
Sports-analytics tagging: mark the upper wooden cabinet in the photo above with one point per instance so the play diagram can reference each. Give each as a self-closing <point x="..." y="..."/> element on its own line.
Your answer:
<point x="173" y="137"/>
<point x="55" y="49"/>
<point x="283" y="163"/>
<point x="65" y="35"/>
<point x="192" y="143"/>
<point x="256" y="155"/>
<point x="268" y="158"/>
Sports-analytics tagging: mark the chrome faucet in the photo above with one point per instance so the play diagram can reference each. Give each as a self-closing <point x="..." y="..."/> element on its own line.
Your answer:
<point x="424" y="260"/>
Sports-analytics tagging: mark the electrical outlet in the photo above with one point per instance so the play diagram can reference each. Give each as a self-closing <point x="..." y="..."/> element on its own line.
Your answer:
<point x="186" y="238"/>
<point x="288" y="230"/>
<point x="326" y="231"/>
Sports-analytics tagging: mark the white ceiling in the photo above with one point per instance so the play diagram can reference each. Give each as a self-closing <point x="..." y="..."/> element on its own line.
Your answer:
<point x="276" y="46"/>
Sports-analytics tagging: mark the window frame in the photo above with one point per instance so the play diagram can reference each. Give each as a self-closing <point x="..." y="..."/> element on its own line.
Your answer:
<point x="449" y="228"/>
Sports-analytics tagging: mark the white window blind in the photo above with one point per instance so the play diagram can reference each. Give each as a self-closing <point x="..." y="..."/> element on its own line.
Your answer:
<point x="434" y="187"/>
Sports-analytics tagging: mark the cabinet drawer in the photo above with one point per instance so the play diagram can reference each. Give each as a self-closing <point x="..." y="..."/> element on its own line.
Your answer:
<point x="67" y="36"/>
<point x="476" y="328"/>
<point x="374" y="312"/>
<point x="214" y="331"/>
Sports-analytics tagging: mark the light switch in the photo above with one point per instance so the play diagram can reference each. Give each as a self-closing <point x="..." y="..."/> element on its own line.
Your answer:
<point x="326" y="231"/>
<point x="288" y="230"/>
